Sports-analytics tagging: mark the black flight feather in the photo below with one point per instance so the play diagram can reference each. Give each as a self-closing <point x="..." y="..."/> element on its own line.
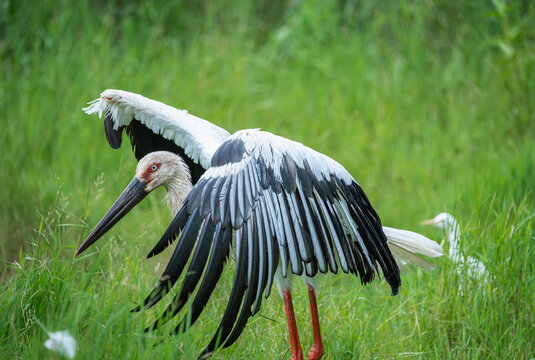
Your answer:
<point x="245" y="313"/>
<point x="289" y="238"/>
<point x="271" y="245"/>
<point x="176" y="226"/>
<point x="178" y="260"/>
<point x="115" y="137"/>
<point x="214" y="269"/>
<point x="260" y="238"/>
<point x="308" y="222"/>
<point x="195" y="269"/>
<point x="236" y="295"/>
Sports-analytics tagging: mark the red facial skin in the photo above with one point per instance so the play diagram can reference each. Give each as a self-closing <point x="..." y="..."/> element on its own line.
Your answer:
<point x="151" y="169"/>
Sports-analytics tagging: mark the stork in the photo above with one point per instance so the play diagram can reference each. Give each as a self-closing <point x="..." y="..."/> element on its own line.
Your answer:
<point x="465" y="266"/>
<point x="287" y="210"/>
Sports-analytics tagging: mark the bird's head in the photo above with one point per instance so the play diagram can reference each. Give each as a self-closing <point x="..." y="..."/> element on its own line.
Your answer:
<point x="160" y="168"/>
<point x="155" y="169"/>
<point x="441" y="221"/>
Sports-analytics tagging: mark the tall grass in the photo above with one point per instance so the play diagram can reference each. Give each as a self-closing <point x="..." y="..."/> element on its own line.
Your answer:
<point x="430" y="105"/>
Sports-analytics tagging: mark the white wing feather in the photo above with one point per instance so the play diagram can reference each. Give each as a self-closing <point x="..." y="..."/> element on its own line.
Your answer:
<point x="272" y="149"/>
<point x="198" y="137"/>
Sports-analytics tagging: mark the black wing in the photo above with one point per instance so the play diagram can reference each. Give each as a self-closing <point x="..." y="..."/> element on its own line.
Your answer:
<point x="279" y="211"/>
<point x="145" y="141"/>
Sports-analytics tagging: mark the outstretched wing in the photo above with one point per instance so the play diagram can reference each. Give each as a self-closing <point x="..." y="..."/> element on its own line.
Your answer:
<point x="154" y="126"/>
<point x="284" y="203"/>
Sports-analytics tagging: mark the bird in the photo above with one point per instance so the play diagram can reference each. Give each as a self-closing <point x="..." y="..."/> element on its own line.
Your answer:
<point x="465" y="266"/>
<point x="284" y="209"/>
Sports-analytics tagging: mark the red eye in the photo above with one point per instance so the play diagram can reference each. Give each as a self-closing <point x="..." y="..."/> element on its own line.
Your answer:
<point x="154" y="167"/>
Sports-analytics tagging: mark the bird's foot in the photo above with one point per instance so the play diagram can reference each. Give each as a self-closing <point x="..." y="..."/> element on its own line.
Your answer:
<point x="316" y="352"/>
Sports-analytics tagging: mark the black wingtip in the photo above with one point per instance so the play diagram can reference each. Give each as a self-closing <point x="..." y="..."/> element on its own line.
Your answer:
<point x="395" y="289"/>
<point x="176" y="226"/>
<point x="114" y="137"/>
<point x="395" y="283"/>
<point x="162" y="244"/>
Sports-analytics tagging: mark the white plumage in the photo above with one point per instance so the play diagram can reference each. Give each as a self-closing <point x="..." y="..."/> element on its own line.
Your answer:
<point x="466" y="266"/>
<point x="273" y="148"/>
<point x="61" y="342"/>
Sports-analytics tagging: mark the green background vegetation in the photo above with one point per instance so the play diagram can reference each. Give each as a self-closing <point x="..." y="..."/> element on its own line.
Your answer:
<point x="429" y="104"/>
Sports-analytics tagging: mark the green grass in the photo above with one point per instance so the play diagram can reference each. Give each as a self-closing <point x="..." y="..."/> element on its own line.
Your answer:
<point x="429" y="105"/>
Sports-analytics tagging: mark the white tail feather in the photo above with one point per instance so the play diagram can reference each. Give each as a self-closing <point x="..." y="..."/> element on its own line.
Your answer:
<point x="404" y="245"/>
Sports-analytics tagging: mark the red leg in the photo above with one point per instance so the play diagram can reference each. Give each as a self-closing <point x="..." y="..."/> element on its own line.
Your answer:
<point x="295" y="346"/>
<point x="316" y="352"/>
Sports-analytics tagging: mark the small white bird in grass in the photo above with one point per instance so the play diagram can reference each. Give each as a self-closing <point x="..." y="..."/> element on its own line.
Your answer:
<point x="62" y="342"/>
<point x="465" y="265"/>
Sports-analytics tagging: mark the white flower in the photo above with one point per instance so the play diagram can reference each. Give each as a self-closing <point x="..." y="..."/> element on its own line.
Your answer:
<point x="62" y="342"/>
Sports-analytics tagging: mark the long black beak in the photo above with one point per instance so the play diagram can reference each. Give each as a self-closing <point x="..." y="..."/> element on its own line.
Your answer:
<point x="131" y="196"/>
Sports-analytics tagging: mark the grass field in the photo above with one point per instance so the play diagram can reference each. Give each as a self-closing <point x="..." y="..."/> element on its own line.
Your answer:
<point x="430" y="105"/>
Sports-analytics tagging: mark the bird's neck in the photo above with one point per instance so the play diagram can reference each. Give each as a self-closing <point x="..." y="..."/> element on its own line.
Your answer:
<point x="454" y="235"/>
<point x="177" y="190"/>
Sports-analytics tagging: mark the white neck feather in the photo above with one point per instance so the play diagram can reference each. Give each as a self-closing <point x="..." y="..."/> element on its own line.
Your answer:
<point x="454" y="235"/>
<point x="177" y="190"/>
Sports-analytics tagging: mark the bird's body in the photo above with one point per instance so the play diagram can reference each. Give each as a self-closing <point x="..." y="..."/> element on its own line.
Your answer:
<point x="286" y="209"/>
<point x="466" y="267"/>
